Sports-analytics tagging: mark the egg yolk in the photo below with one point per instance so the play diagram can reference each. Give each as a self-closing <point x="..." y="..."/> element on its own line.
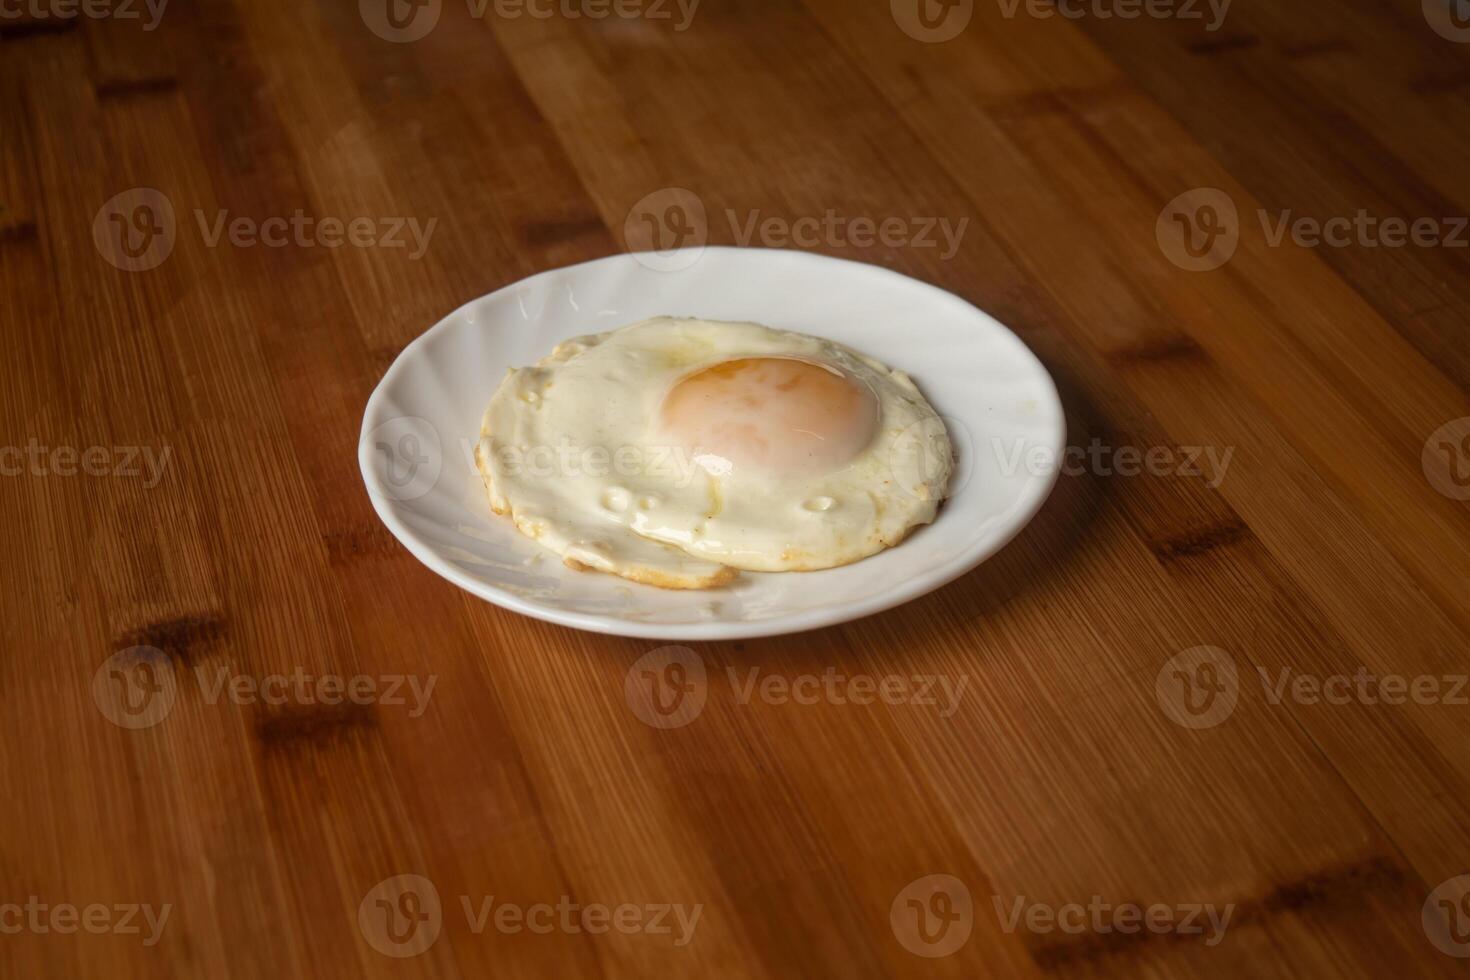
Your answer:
<point x="779" y="414"/>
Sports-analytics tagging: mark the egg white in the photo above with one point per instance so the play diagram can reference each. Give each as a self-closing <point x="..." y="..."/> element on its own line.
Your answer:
<point x="572" y="451"/>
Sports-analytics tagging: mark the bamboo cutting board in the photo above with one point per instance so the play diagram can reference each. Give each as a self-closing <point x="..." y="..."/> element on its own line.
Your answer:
<point x="1207" y="716"/>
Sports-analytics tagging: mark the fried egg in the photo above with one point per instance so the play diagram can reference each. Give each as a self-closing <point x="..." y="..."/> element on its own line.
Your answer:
<point x="675" y="452"/>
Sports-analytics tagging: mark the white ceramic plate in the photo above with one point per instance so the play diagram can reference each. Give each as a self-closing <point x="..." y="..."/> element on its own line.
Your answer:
<point x="422" y="422"/>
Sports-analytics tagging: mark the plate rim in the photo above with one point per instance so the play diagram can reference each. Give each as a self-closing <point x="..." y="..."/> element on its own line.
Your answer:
<point x="828" y="615"/>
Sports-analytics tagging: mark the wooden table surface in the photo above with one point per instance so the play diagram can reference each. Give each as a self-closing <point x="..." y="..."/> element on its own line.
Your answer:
<point x="1206" y="716"/>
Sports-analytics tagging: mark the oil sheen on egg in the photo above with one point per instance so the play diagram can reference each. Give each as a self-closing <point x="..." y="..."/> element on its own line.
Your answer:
<point x="674" y="451"/>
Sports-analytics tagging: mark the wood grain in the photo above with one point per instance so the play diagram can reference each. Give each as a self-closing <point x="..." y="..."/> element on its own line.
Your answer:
<point x="220" y="534"/>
